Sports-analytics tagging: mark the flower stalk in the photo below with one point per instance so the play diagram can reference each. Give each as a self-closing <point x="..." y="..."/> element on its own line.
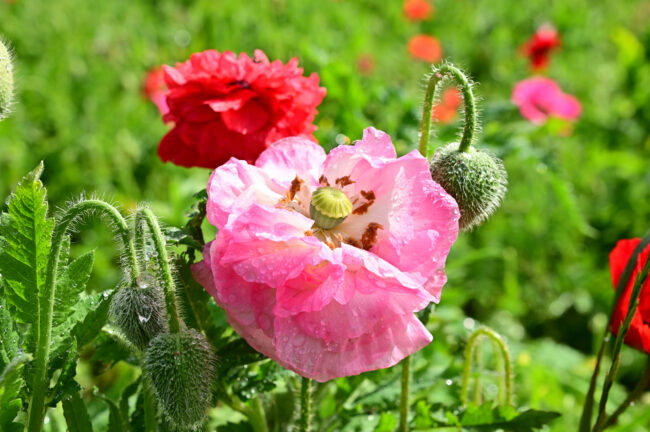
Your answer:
<point x="40" y="385"/>
<point x="470" y="122"/>
<point x="404" y="398"/>
<point x="305" y="405"/>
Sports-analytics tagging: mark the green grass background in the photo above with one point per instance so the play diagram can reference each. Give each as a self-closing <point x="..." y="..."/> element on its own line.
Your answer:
<point x="537" y="271"/>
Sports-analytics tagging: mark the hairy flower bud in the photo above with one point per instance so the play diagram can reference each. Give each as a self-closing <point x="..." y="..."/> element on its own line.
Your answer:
<point x="138" y="310"/>
<point x="6" y="81"/>
<point x="181" y="367"/>
<point x="476" y="179"/>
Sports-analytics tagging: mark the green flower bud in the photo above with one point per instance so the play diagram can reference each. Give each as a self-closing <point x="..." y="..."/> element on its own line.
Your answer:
<point x="6" y="81"/>
<point x="329" y="207"/>
<point x="181" y="368"/>
<point x="139" y="311"/>
<point x="476" y="179"/>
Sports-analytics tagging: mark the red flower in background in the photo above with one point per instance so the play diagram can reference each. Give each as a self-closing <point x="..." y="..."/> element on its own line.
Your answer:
<point x="225" y="106"/>
<point x="538" y="48"/>
<point x="425" y="47"/>
<point x="155" y="90"/>
<point x="638" y="336"/>
<point x="418" y="10"/>
<point x="366" y="64"/>
<point x="445" y="111"/>
<point x="539" y="98"/>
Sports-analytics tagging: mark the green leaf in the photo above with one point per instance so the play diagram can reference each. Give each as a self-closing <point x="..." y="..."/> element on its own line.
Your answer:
<point x="8" y="336"/>
<point x="116" y="421"/>
<point x="25" y="239"/>
<point x="129" y="391"/>
<point x="10" y="385"/>
<point x="91" y="325"/>
<point x="487" y="418"/>
<point x="71" y="282"/>
<point x="76" y="415"/>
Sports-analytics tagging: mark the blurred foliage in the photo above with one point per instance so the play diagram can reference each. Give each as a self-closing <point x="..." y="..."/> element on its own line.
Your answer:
<point x="537" y="271"/>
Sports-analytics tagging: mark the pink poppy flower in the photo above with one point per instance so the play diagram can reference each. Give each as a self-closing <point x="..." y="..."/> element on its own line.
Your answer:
<point x="335" y="302"/>
<point x="155" y="90"/>
<point x="539" y="98"/>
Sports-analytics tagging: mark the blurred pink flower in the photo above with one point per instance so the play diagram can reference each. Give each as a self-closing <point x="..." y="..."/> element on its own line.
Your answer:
<point x="539" y="98"/>
<point x="155" y="90"/>
<point x="337" y="302"/>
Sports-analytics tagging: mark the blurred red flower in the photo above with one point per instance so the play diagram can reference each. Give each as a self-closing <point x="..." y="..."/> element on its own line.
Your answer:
<point x="539" y="46"/>
<point x="638" y="336"/>
<point x="425" y="47"/>
<point x="155" y="90"/>
<point x="539" y="98"/>
<point x="418" y="10"/>
<point x="366" y="64"/>
<point x="223" y="105"/>
<point x="445" y="111"/>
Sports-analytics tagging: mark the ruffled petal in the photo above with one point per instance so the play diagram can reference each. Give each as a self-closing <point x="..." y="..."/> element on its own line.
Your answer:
<point x="290" y="157"/>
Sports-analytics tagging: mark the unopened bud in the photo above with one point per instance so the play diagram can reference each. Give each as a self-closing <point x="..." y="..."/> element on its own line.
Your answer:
<point x="181" y="368"/>
<point x="138" y="310"/>
<point x="476" y="179"/>
<point x="6" y="81"/>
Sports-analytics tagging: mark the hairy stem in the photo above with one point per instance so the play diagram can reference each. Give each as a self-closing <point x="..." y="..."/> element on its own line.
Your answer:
<point x="404" y="398"/>
<point x="469" y="100"/>
<point x="633" y="396"/>
<point x="40" y="384"/>
<point x="146" y="216"/>
<point x="150" y="420"/>
<point x="305" y="405"/>
<point x="618" y="344"/>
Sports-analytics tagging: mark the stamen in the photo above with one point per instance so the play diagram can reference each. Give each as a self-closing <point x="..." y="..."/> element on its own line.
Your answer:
<point x="369" y="238"/>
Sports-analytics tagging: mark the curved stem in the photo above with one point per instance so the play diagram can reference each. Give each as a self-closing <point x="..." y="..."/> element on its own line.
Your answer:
<point x="40" y="385"/>
<point x="147" y="217"/>
<point x="501" y="349"/>
<point x="469" y="100"/>
<point x="618" y="344"/>
<point x="633" y="396"/>
<point x="305" y="405"/>
<point x="404" y="399"/>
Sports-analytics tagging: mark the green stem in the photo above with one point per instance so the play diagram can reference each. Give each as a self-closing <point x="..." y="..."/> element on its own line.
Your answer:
<point x="404" y="398"/>
<point x="305" y="405"/>
<point x="618" y="344"/>
<point x="501" y="351"/>
<point x="40" y="383"/>
<point x="146" y="216"/>
<point x="585" y="418"/>
<point x="150" y="421"/>
<point x="478" y="394"/>
<point x="256" y="416"/>
<point x="469" y="128"/>
<point x="633" y="396"/>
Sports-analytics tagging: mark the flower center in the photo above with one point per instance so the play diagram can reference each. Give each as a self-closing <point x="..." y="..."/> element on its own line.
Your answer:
<point x="329" y="207"/>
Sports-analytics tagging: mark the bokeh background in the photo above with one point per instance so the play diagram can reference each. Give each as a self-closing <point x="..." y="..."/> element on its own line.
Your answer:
<point x="537" y="272"/>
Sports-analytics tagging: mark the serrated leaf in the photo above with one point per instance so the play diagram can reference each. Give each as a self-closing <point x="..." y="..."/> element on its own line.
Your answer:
<point x="66" y="383"/>
<point x="71" y="282"/>
<point x="487" y="418"/>
<point x="86" y="329"/>
<point x="76" y="415"/>
<point x="25" y="240"/>
<point x="10" y="384"/>
<point x="8" y="336"/>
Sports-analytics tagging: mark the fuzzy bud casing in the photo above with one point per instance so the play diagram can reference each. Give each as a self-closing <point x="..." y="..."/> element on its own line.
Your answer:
<point x="181" y="368"/>
<point x="138" y="310"/>
<point x="6" y="81"/>
<point x="476" y="179"/>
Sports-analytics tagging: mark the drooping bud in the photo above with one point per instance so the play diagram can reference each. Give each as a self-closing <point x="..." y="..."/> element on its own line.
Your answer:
<point x="329" y="207"/>
<point x="138" y="310"/>
<point x="6" y="81"/>
<point x="476" y="179"/>
<point x="181" y="367"/>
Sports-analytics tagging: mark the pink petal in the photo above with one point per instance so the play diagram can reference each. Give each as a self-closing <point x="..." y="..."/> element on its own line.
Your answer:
<point x="290" y="157"/>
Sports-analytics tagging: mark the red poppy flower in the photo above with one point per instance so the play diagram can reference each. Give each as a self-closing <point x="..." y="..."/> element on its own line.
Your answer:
<point x="225" y="106"/>
<point x="445" y="111"/>
<point x="425" y="47"/>
<point x="418" y="10"/>
<point x="155" y="90"/>
<point x="538" y="48"/>
<point x="638" y="336"/>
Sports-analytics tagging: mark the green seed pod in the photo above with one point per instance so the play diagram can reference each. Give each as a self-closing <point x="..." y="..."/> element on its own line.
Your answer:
<point x="6" y="81"/>
<point x="476" y="179"/>
<point x="181" y="367"/>
<point x="139" y="311"/>
<point x="329" y="207"/>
